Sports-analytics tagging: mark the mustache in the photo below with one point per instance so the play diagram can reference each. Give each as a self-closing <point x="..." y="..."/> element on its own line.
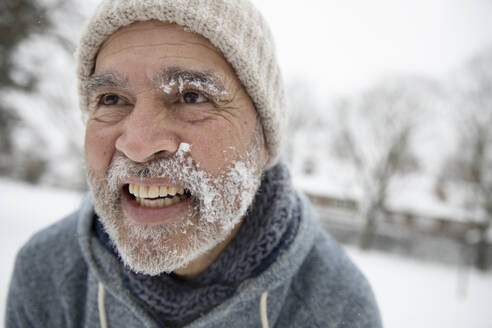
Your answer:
<point x="178" y="169"/>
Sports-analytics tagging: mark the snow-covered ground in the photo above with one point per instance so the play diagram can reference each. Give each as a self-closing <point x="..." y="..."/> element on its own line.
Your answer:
<point x="410" y="293"/>
<point x="414" y="294"/>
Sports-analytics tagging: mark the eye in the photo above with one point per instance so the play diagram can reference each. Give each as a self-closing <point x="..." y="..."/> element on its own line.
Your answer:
<point x="110" y="99"/>
<point x="191" y="97"/>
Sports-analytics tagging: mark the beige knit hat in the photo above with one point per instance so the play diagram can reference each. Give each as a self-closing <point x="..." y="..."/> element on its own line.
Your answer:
<point x="235" y="27"/>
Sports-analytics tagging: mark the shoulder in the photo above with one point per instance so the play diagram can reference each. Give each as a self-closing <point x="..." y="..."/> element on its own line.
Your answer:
<point x="332" y="289"/>
<point x="45" y="269"/>
<point x="327" y="289"/>
<point x="53" y="247"/>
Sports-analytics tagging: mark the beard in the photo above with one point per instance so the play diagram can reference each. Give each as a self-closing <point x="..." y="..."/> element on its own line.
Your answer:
<point x="219" y="203"/>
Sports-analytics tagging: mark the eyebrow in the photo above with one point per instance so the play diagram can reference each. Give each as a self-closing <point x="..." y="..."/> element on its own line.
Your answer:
<point x="208" y="81"/>
<point x="105" y="80"/>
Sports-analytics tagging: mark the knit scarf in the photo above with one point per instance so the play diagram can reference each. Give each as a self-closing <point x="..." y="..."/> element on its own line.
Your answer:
<point x="268" y="228"/>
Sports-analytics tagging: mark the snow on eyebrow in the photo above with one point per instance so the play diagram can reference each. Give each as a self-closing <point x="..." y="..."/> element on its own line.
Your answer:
<point x="205" y="81"/>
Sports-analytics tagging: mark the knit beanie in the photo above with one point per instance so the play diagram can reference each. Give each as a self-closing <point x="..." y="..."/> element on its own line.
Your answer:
<point x="235" y="27"/>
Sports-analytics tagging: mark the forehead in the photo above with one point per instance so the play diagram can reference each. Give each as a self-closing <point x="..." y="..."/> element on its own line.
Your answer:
<point x="154" y="45"/>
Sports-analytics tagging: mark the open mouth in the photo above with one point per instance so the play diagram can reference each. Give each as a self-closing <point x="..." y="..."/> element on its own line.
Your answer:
<point x="156" y="196"/>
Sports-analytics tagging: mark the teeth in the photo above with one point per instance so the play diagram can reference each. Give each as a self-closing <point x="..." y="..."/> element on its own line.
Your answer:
<point x="148" y="196"/>
<point x="158" y="203"/>
<point x="143" y="191"/>
<point x="154" y="191"/>
<point x="163" y="191"/>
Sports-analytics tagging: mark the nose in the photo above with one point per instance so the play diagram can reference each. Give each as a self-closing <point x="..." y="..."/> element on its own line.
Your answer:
<point x="149" y="132"/>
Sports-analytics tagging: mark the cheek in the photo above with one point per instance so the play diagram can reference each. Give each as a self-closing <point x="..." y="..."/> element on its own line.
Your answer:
<point x="217" y="146"/>
<point x="99" y="147"/>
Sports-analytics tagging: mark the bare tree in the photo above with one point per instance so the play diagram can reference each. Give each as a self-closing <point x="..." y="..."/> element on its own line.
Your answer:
<point x="375" y="137"/>
<point x="43" y="96"/>
<point x="19" y="21"/>
<point x="304" y="121"/>
<point x="469" y="170"/>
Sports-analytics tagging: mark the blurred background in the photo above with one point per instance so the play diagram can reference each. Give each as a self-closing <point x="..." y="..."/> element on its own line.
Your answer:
<point x="390" y="136"/>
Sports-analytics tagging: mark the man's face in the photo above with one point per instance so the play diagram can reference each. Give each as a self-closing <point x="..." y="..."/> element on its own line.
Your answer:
<point x="173" y="149"/>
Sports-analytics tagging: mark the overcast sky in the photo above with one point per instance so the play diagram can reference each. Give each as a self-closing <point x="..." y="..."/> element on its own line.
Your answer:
<point x="344" y="45"/>
<point x="341" y="46"/>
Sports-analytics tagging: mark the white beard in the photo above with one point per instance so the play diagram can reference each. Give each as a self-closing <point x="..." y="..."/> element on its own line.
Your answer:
<point x="220" y="204"/>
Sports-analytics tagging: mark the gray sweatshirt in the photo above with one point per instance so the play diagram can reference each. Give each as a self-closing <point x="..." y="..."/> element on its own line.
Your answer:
<point x="64" y="277"/>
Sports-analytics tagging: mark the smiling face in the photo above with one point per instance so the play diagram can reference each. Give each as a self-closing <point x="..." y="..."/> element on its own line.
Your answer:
<point x="173" y="148"/>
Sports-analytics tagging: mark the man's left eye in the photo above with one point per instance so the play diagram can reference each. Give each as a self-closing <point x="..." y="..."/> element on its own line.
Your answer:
<point x="192" y="97"/>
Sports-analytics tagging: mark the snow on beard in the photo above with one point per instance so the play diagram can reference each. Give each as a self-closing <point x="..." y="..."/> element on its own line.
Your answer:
<point x="219" y="204"/>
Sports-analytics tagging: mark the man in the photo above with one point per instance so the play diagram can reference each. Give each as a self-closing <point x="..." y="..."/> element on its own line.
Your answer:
<point x="191" y="220"/>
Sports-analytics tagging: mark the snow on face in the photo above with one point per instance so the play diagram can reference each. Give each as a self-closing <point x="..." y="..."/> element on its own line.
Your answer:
<point x="219" y="204"/>
<point x="209" y="85"/>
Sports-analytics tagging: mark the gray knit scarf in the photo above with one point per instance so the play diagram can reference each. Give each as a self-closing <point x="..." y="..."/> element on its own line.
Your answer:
<point x="268" y="229"/>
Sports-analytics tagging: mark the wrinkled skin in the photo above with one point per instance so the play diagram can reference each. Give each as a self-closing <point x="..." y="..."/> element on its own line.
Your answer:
<point x="142" y="107"/>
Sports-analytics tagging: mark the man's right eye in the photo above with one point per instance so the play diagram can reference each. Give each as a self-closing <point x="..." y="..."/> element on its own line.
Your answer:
<point x="110" y="100"/>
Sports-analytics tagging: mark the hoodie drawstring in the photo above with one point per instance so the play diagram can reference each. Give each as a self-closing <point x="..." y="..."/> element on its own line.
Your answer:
<point x="263" y="310"/>
<point x="100" y="305"/>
